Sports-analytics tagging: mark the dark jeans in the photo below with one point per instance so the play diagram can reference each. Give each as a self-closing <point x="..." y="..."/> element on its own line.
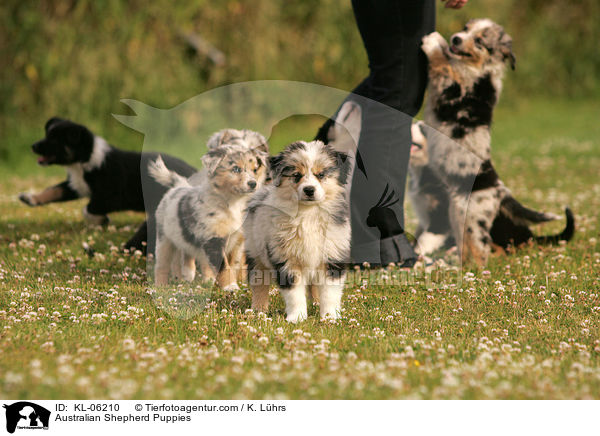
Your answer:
<point x="391" y="31"/>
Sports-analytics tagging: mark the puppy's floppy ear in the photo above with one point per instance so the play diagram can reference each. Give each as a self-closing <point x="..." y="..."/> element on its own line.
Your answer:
<point x="505" y="44"/>
<point x="215" y="140"/>
<point x="51" y="122"/>
<point x="256" y="141"/>
<point x="79" y="135"/>
<point x="212" y="159"/>
<point x="340" y="157"/>
<point x="219" y="138"/>
<point x="263" y="159"/>
<point x="276" y="168"/>
<point x="343" y="164"/>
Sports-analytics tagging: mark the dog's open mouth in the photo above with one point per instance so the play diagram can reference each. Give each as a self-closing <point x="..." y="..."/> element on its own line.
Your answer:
<point x="455" y="50"/>
<point x="45" y="160"/>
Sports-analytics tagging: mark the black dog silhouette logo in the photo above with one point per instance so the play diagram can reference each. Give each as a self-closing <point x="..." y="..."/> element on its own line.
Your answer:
<point x="26" y="415"/>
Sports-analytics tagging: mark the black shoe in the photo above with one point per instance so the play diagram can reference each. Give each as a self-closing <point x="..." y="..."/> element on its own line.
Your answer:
<point x="396" y="249"/>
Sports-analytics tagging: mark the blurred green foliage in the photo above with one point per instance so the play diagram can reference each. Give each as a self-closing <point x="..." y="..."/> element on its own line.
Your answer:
<point x="78" y="58"/>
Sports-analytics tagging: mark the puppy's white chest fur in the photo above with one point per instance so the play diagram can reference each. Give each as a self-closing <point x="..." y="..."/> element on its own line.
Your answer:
<point x="76" y="180"/>
<point x="303" y="236"/>
<point x="76" y="171"/>
<point x="228" y="219"/>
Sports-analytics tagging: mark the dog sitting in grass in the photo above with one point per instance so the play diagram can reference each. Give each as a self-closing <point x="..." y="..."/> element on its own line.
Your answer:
<point x="113" y="180"/>
<point x="430" y="200"/>
<point x="465" y="81"/>
<point x="200" y="219"/>
<point x="298" y="228"/>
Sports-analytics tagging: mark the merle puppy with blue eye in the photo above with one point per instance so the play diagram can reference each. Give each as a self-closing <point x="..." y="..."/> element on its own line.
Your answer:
<point x="200" y="218"/>
<point x="465" y="81"/>
<point x="112" y="179"/>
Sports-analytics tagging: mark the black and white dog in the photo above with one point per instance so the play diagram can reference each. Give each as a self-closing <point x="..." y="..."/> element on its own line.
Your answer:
<point x="111" y="178"/>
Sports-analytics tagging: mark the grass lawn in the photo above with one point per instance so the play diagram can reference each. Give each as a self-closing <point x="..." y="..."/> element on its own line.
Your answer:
<point x="78" y="327"/>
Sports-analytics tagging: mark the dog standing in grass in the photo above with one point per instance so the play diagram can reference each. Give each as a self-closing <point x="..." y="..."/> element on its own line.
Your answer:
<point x="201" y="218"/>
<point x="297" y="230"/>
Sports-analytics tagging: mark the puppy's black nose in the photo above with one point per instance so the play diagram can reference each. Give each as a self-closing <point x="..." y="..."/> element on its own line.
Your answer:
<point x="252" y="184"/>
<point x="309" y="191"/>
<point x="456" y="40"/>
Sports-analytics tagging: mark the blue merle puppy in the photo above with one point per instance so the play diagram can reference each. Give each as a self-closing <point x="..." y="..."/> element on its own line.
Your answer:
<point x="465" y="81"/>
<point x="297" y="231"/>
<point x="430" y="200"/>
<point x="201" y="219"/>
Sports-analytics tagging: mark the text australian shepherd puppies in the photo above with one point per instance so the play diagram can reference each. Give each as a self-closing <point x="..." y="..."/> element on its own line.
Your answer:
<point x="297" y="231"/>
<point x="112" y="179"/>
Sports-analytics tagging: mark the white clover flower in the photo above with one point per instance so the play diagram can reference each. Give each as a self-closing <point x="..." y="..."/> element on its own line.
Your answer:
<point x="128" y="344"/>
<point x="47" y="346"/>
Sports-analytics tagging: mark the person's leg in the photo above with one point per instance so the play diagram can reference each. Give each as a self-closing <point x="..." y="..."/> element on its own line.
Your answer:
<point x="392" y="32"/>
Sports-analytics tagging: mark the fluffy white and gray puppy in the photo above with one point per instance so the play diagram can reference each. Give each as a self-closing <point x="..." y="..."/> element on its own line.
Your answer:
<point x="297" y="230"/>
<point x="202" y="220"/>
<point x="244" y="139"/>
<point x="465" y="81"/>
<point x="430" y="199"/>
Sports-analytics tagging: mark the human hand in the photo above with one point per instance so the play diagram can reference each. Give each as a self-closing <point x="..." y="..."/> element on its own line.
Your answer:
<point x="455" y="4"/>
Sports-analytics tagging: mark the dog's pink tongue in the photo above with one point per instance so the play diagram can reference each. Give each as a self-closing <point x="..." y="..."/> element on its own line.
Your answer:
<point x="41" y="159"/>
<point x="414" y="149"/>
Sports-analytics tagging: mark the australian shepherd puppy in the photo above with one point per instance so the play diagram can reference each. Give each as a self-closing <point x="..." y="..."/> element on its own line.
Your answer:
<point x="465" y="81"/>
<point x="297" y="230"/>
<point x="113" y="180"/>
<point x="202" y="221"/>
<point x="430" y="200"/>
<point x="428" y="197"/>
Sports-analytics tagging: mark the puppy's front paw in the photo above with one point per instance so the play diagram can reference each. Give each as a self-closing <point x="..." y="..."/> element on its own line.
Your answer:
<point x="188" y="274"/>
<point x="28" y="199"/>
<point x="232" y="287"/>
<point x="331" y="316"/>
<point x="432" y="43"/>
<point x="296" y="317"/>
<point x="430" y="242"/>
